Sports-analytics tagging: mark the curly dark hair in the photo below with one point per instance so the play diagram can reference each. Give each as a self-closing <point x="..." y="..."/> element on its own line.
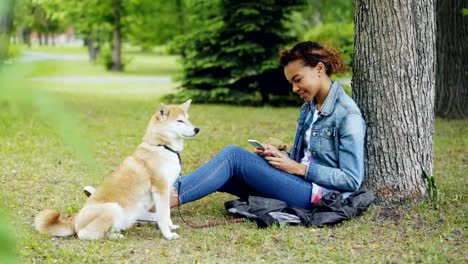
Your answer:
<point x="311" y="53"/>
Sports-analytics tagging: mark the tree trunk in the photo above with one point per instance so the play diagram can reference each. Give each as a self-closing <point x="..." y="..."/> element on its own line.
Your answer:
<point x="116" y="37"/>
<point x="20" y="35"/>
<point x="6" y="26"/>
<point x="452" y="60"/>
<point x="93" y="47"/>
<point x="393" y="84"/>
<point x="27" y="36"/>
<point x="180" y="15"/>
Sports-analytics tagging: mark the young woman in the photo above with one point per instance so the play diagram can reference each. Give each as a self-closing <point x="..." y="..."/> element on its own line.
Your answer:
<point x="328" y="150"/>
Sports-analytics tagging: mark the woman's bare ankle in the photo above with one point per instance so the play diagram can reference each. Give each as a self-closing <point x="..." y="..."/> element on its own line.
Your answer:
<point x="174" y="199"/>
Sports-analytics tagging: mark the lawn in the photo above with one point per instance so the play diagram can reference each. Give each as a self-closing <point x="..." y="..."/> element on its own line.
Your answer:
<point x="40" y="167"/>
<point x="136" y="63"/>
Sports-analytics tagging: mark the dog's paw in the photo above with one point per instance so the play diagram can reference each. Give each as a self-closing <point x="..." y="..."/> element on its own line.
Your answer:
<point x="171" y="236"/>
<point x="174" y="227"/>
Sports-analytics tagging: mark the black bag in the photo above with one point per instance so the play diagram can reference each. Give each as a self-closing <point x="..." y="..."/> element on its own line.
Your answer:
<point x="331" y="209"/>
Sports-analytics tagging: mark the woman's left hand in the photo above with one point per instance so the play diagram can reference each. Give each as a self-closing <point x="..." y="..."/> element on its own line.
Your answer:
<point x="282" y="162"/>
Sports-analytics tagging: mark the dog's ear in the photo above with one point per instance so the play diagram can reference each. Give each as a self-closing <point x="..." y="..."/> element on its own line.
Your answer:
<point x="186" y="105"/>
<point x="163" y="112"/>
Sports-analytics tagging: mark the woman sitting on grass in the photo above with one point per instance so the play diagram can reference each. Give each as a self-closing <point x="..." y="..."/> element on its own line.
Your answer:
<point x="328" y="150"/>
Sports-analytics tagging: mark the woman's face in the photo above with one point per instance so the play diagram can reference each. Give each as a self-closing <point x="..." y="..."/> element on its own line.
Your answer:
<point x="304" y="79"/>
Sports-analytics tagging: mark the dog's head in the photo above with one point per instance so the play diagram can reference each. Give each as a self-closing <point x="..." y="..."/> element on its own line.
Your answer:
<point x="169" y="123"/>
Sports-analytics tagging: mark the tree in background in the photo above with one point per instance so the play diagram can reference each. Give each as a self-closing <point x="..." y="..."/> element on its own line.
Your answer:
<point x="393" y="84"/>
<point x="116" y="58"/>
<point x="41" y="16"/>
<point x="93" y="24"/>
<point x="451" y="100"/>
<point x="235" y="54"/>
<point x="6" y="26"/>
<point x="327" y="22"/>
<point x="149" y="23"/>
<point x="102" y="28"/>
<point x="105" y="24"/>
<point x="23" y="21"/>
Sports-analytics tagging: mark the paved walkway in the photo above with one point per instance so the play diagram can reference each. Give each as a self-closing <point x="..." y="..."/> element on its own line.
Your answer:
<point x="30" y="56"/>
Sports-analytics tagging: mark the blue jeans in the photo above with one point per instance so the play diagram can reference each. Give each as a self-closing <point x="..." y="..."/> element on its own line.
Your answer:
<point x="242" y="173"/>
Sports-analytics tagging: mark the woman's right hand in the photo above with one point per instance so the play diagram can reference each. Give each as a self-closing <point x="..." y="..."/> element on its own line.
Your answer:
<point x="267" y="152"/>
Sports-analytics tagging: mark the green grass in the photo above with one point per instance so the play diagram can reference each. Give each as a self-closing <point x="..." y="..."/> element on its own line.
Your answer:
<point x="39" y="169"/>
<point x="137" y="63"/>
<point x="71" y="49"/>
<point x="79" y="49"/>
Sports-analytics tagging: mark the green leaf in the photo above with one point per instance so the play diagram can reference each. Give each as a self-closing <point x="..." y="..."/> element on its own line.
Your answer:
<point x="464" y="11"/>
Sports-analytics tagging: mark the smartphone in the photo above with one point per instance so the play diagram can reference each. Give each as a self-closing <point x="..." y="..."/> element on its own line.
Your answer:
<point x="256" y="144"/>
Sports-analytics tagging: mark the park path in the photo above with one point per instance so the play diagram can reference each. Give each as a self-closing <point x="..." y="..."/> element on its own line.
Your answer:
<point x="31" y="56"/>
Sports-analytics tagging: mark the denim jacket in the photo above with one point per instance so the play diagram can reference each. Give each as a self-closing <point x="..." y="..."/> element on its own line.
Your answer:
<point x="336" y="143"/>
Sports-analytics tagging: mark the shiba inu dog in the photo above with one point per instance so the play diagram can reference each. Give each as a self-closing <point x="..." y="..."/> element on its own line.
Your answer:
<point x="144" y="179"/>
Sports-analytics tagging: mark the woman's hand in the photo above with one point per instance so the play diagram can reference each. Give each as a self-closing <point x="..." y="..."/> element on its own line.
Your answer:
<point x="281" y="161"/>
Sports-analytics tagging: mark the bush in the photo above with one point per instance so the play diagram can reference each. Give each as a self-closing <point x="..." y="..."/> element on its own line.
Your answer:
<point x="337" y="35"/>
<point x="105" y="57"/>
<point x="231" y="97"/>
<point x="215" y="96"/>
<point x="236" y="48"/>
<point x="14" y="51"/>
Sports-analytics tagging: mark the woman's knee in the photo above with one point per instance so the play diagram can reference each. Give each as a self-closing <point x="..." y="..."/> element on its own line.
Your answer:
<point x="233" y="153"/>
<point x="232" y="150"/>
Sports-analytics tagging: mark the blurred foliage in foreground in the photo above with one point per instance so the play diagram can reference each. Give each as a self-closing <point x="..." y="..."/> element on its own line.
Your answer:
<point x="7" y="240"/>
<point x="19" y="97"/>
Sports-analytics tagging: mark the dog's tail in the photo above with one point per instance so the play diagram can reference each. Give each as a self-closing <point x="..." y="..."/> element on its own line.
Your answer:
<point x="48" y="221"/>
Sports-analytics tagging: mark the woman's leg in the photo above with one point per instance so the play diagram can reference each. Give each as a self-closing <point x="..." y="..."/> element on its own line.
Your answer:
<point x="242" y="173"/>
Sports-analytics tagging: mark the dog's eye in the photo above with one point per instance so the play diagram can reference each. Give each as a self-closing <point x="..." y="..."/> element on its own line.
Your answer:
<point x="180" y="121"/>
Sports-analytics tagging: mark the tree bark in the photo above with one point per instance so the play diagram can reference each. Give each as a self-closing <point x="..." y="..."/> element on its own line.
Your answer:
<point x="6" y="26"/>
<point x="27" y="36"/>
<point x="180" y="15"/>
<point x="393" y="84"/>
<point x="451" y="100"/>
<point x="116" y="37"/>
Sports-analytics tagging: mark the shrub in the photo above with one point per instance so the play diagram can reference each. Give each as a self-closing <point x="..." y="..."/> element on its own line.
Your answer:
<point x="236" y="48"/>
<point x="337" y="35"/>
<point x="105" y="57"/>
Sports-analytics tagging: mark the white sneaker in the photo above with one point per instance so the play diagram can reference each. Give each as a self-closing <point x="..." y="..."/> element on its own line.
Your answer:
<point x="88" y="190"/>
<point x="145" y="217"/>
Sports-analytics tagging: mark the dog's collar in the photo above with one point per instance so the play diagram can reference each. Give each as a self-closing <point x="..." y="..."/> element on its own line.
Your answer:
<point x="173" y="151"/>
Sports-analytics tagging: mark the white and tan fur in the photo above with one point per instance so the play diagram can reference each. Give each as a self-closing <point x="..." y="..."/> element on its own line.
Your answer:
<point x="144" y="179"/>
